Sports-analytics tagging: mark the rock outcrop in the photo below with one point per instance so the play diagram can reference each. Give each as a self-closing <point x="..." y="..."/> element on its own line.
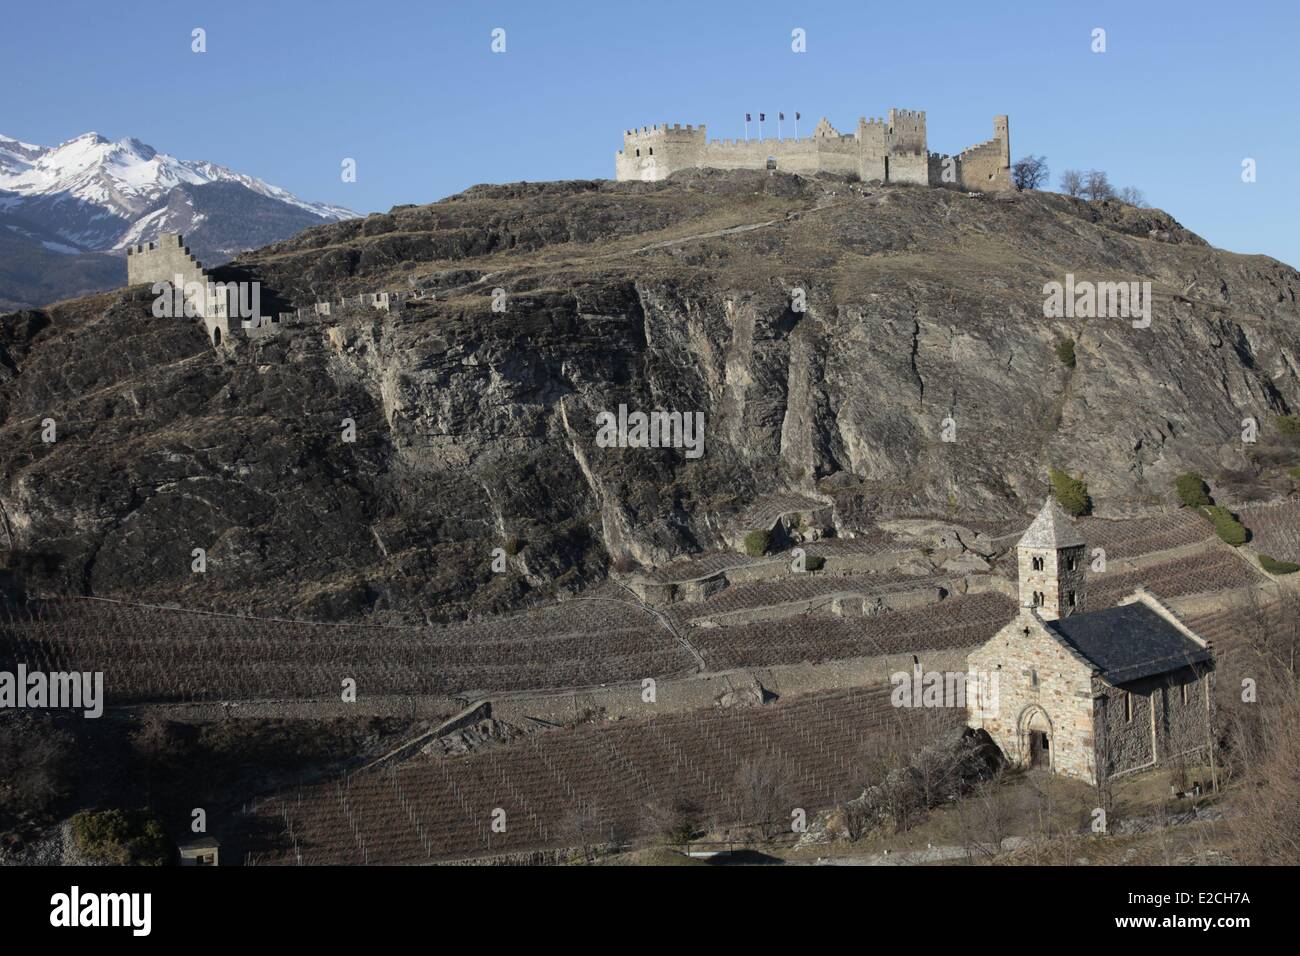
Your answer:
<point x="475" y="427"/>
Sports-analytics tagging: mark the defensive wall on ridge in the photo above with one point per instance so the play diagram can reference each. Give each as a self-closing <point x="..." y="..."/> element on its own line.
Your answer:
<point x="224" y="307"/>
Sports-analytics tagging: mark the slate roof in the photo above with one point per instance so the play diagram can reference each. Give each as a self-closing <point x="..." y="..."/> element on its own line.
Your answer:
<point x="1051" y="529"/>
<point x="1128" y="642"/>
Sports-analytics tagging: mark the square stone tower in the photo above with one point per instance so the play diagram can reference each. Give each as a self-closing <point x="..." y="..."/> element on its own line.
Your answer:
<point x="1052" y="557"/>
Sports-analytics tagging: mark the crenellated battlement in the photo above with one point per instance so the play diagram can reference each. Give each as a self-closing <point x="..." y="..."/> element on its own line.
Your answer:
<point x="893" y="148"/>
<point x="235" y="307"/>
<point x="664" y="131"/>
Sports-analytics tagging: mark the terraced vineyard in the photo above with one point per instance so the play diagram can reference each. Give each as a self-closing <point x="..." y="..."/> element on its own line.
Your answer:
<point x="592" y="784"/>
<point x="1211" y="570"/>
<point x="1134" y="536"/>
<point x="703" y="565"/>
<point x="1274" y="529"/>
<point x="150" y="653"/>
<point x="163" y="654"/>
<point x="955" y="622"/>
<point x="1229" y="629"/>
<point x="801" y="587"/>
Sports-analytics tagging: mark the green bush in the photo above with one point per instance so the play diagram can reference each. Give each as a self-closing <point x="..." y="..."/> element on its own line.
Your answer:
<point x="1192" y="490"/>
<point x="1226" y="525"/>
<point x="814" y="562"/>
<point x="1274" y="566"/>
<point x="512" y="546"/>
<point x="121" y="837"/>
<point x="1072" y="493"/>
<point x="1294" y="473"/>
<point x="757" y="543"/>
<point x="1065" y="352"/>
<point x="1289" y="426"/>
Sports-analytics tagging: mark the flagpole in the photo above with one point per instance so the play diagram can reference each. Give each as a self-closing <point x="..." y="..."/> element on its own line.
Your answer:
<point x="760" y="126"/>
<point x="796" y="125"/>
<point x="779" y="117"/>
<point x="746" y="127"/>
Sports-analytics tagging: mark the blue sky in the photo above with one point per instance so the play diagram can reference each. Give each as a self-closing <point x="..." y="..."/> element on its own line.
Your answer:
<point x="413" y="93"/>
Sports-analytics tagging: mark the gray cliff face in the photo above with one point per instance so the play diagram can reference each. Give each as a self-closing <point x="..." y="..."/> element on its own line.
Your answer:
<point x="476" y="429"/>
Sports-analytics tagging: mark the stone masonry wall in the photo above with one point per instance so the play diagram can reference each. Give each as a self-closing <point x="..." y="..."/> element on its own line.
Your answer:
<point x="1127" y="743"/>
<point x="162" y="262"/>
<point x="1163" y="727"/>
<point x="1063" y="692"/>
<point x="1056" y="567"/>
<point x="988" y="165"/>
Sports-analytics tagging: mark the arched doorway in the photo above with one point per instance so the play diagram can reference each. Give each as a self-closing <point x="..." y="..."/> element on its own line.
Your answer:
<point x="1036" y="737"/>
<point x="216" y="336"/>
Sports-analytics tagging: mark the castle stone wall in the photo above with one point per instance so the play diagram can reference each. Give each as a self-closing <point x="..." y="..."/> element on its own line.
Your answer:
<point x="988" y="165"/>
<point x="890" y="150"/>
<point x="222" y="306"/>
<point x="162" y="261"/>
<point x="909" y="168"/>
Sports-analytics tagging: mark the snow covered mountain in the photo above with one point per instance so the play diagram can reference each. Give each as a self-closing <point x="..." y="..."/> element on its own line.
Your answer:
<point x="94" y="195"/>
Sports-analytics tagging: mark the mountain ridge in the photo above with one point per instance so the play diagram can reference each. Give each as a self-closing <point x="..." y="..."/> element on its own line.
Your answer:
<point x="96" y="197"/>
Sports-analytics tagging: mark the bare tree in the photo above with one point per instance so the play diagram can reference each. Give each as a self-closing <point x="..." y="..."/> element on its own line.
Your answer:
<point x="937" y="773"/>
<point x="677" y="819"/>
<point x="1030" y="172"/>
<point x="1096" y="185"/>
<point x="1267" y="825"/>
<point x="1072" y="182"/>
<point x="764" y="796"/>
<point x="1259" y="706"/>
<point x="1271" y="629"/>
<point x="1133" y="196"/>
<point x="986" y="817"/>
<point x="583" y="826"/>
<point x="857" y="819"/>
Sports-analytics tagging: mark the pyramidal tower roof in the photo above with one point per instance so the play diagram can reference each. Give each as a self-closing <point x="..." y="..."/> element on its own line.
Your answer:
<point x="1051" y="529"/>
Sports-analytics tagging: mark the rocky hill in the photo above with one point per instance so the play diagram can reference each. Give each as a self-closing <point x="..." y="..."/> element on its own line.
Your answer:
<point x="475" y="428"/>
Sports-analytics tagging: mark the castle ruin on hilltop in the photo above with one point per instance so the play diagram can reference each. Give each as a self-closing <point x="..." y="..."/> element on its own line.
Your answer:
<point x="892" y="151"/>
<point x="221" y="299"/>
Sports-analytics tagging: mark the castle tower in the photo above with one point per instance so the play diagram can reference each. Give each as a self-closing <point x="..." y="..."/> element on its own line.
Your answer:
<point x="1002" y="135"/>
<point x="652" y="153"/>
<point x="1051" y="556"/>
